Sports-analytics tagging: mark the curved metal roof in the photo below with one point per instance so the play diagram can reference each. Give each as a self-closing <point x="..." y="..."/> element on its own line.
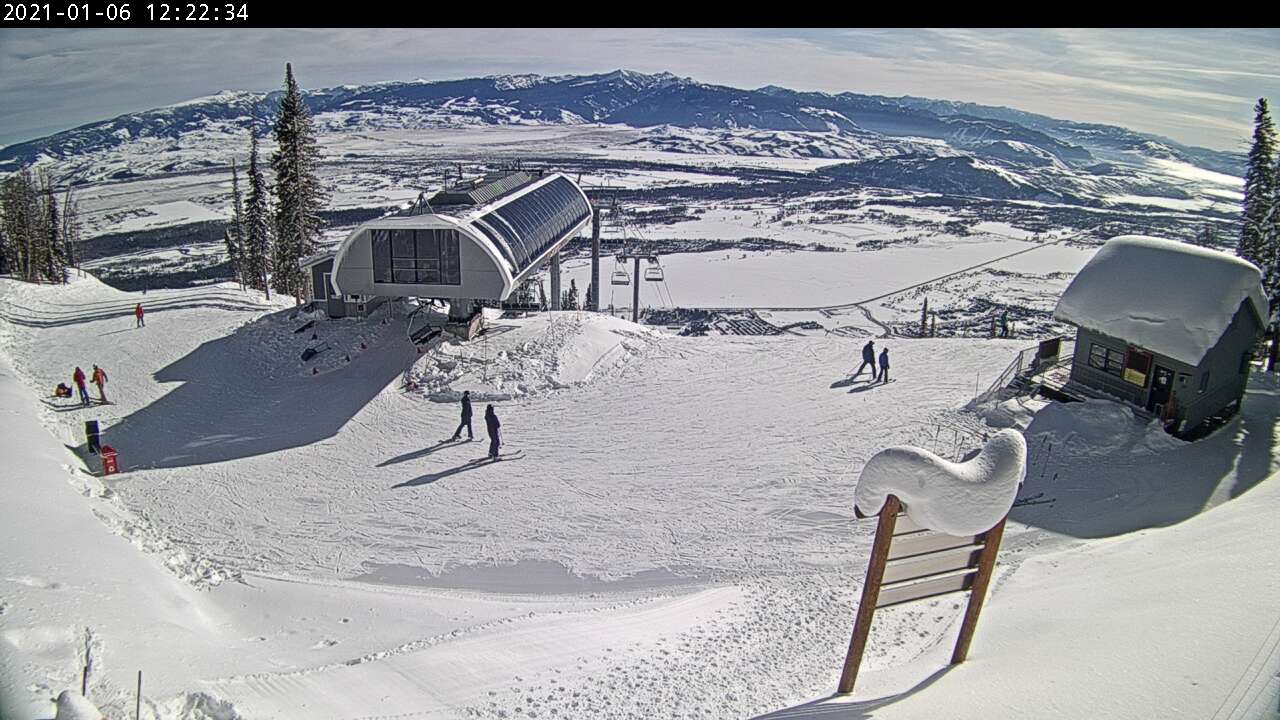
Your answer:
<point x="519" y="229"/>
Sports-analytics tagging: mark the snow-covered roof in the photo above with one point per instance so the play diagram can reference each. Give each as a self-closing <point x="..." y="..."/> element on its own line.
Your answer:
<point x="1165" y="296"/>
<point x="315" y="259"/>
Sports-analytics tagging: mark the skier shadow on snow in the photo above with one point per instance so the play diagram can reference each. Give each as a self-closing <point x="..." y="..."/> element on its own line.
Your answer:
<point x="1147" y="489"/>
<point x="847" y="382"/>
<point x="423" y="452"/>
<point x="432" y="477"/>
<point x="238" y="396"/>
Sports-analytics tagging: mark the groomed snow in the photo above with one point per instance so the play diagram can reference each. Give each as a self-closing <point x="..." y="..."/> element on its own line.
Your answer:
<point x="1168" y="297"/>
<point x="678" y="541"/>
<point x="963" y="498"/>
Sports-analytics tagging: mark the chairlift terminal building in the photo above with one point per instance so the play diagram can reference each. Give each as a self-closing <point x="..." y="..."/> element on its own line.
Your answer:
<point x="474" y="241"/>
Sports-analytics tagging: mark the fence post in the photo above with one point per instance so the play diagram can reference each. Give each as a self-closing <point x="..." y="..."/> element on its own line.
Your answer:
<point x="137" y="708"/>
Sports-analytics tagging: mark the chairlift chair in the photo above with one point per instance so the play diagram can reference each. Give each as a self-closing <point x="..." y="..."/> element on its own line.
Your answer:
<point x="653" y="273"/>
<point x="620" y="276"/>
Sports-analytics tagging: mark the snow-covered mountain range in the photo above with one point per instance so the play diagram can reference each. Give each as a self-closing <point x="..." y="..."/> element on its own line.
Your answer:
<point x="683" y="115"/>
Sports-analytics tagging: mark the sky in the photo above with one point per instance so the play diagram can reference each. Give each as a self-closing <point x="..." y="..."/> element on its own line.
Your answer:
<point x="1195" y="86"/>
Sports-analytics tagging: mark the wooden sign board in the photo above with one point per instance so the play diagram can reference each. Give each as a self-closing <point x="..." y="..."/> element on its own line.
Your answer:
<point x="909" y="562"/>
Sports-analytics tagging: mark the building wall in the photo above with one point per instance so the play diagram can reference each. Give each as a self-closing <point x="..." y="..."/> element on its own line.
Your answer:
<point x="481" y="277"/>
<point x="1222" y="364"/>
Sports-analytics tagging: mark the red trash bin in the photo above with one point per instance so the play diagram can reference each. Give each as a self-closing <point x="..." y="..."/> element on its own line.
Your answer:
<point x="109" y="465"/>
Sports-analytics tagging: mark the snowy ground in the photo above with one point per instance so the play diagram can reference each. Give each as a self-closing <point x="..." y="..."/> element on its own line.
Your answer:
<point x="676" y="541"/>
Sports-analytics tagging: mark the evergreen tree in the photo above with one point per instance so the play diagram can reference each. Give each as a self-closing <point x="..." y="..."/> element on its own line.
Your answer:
<point x="587" y="302"/>
<point x="569" y="300"/>
<point x="234" y="234"/>
<point x="55" y="268"/>
<point x="22" y="221"/>
<point x="299" y="194"/>
<point x="924" y="316"/>
<point x="1259" y="189"/>
<point x="257" y="225"/>
<point x="70" y="229"/>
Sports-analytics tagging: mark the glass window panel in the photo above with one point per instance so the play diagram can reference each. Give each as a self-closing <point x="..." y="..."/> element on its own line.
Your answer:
<point x="381" y="246"/>
<point x="428" y="264"/>
<point x="428" y="245"/>
<point x="405" y="276"/>
<point x="402" y="243"/>
<point x="402" y="262"/>
<point x="431" y="277"/>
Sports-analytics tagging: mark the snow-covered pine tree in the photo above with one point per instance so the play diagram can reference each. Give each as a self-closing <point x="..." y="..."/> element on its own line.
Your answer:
<point x="257" y="226"/>
<point x="587" y="304"/>
<point x="1259" y="189"/>
<point x="924" y="317"/>
<point x="299" y="194"/>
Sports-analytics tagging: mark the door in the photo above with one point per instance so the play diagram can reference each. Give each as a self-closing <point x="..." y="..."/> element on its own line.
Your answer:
<point x="334" y="305"/>
<point x="1161" y="387"/>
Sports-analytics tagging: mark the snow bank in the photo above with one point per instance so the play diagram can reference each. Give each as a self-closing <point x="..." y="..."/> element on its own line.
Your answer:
<point x="74" y="706"/>
<point x="1168" y="297"/>
<point x="1101" y="427"/>
<point x="955" y="498"/>
<point x="533" y="356"/>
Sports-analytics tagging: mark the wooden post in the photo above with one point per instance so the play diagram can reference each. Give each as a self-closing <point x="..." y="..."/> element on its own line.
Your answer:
<point x="84" y="682"/>
<point x="986" y="567"/>
<point x="137" y="708"/>
<point x="870" y="593"/>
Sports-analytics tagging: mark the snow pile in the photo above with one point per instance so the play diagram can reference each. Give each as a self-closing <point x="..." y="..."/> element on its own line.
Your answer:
<point x="1168" y="297"/>
<point x="74" y="706"/>
<point x="955" y="498"/>
<point x="532" y="356"/>
<point x="1100" y="427"/>
<point x="1015" y="412"/>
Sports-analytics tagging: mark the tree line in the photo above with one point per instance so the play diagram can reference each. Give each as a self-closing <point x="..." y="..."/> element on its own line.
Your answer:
<point x="39" y="230"/>
<point x="273" y="227"/>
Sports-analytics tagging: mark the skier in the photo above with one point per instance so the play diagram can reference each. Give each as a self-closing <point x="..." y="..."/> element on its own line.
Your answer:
<point x="868" y="358"/>
<point x="466" y="418"/>
<point x="884" y="365"/>
<point x="78" y="377"/>
<point x="137" y="313"/>
<point x="495" y="435"/>
<point x="99" y="378"/>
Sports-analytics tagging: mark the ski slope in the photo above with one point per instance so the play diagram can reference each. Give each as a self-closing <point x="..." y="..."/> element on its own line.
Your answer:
<point x="677" y="541"/>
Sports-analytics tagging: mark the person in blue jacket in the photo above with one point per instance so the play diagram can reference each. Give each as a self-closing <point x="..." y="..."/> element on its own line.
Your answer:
<point x="884" y="365"/>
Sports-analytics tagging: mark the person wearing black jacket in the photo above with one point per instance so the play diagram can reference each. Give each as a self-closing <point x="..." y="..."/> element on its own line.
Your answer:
<point x="495" y="435"/>
<point x="466" y="418"/>
<point x="868" y="358"/>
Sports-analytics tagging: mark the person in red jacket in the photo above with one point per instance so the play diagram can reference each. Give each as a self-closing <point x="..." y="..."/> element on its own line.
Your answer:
<point x="137" y="313"/>
<point x="99" y="378"/>
<point x="78" y="377"/>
